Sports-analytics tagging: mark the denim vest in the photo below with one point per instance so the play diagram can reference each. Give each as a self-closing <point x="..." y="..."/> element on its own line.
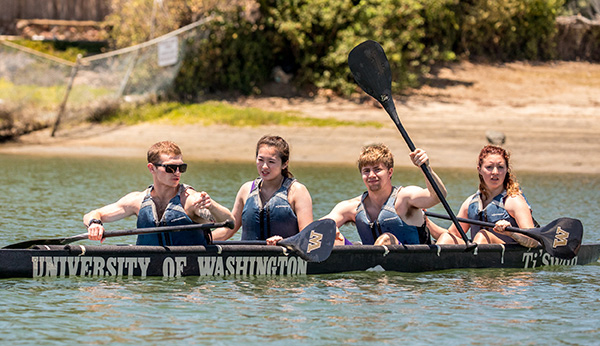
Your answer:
<point x="387" y="221"/>
<point x="493" y="212"/>
<point x="174" y="215"/>
<point x="275" y="218"/>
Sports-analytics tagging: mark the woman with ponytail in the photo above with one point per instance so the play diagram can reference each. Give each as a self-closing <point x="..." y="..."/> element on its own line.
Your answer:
<point x="274" y="205"/>
<point x="498" y="200"/>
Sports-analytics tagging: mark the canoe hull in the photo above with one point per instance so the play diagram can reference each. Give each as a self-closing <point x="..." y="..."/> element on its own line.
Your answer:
<point x="224" y="260"/>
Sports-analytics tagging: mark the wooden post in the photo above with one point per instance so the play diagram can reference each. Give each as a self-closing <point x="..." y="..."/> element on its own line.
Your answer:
<point x="61" y="110"/>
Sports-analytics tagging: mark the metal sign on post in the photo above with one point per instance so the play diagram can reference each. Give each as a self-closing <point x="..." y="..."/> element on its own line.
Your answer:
<point x="168" y="52"/>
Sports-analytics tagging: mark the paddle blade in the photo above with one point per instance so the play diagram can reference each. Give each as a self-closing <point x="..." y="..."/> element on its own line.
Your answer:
<point x="56" y="241"/>
<point x="561" y="238"/>
<point x="119" y="233"/>
<point x="314" y="242"/>
<point x="371" y="70"/>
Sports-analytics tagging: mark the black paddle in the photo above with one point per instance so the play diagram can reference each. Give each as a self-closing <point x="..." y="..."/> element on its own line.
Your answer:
<point x="313" y="243"/>
<point x="560" y="238"/>
<point x="371" y="70"/>
<point x="119" y="233"/>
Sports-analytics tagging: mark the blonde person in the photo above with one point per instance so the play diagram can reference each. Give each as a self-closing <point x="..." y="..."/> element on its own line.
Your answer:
<point x="387" y="214"/>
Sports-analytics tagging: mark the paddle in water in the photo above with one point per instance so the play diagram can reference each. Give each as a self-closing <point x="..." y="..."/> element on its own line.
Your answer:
<point x="313" y="244"/>
<point x="371" y="70"/>
<point x="118" y="233"/>
<point x="560" y="238"/>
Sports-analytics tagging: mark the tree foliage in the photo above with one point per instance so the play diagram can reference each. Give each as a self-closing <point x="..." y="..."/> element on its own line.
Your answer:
<point x="510" y="29"/>
<point x="311" y="39"/>
<point x="236" y="56"/>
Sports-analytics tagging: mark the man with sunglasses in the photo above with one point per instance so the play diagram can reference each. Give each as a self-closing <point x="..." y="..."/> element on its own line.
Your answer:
<point x="166" y="202"/>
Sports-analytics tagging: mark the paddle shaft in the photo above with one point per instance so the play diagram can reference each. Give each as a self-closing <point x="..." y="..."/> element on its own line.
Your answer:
<point x="137" y="231"/>
<point x="485" y="224"/>
<point x="119" y="233"/>
<point x="388" y="105"/>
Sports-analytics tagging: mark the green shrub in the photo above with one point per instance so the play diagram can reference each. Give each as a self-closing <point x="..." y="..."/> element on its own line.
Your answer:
<point x="236" y="56"/>
<point x="312" y="38"/>
<point x="319" y="34"/>
<point x="500" y="30"/>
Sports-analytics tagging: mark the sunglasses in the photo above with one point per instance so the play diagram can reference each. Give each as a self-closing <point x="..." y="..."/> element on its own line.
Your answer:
<point x="173" y="168"/>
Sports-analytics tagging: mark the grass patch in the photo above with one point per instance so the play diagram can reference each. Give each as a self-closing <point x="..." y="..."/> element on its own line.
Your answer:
<point x="33" y="96"/>
<point x="220" y="113"/>
<point x="48" y="97"/>
<point x="60" y="50"/>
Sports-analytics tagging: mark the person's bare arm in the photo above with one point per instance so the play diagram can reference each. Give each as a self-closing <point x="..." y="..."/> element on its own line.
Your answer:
<point x="424" y="198"/>
<point x="518" y="208"/>
<point x="201" y="208"/>
<point x="450" y="235"/>
<point x="224" y="233"/>
<point x="301" y="203"/>
<point x="344" y="212"/>
<point x="128" y="205"/>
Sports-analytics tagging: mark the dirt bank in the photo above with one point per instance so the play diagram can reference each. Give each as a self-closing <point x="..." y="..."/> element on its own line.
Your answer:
<point x="548" y="112"/>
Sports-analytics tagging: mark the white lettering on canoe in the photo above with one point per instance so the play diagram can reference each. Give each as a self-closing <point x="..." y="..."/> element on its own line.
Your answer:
<point x="144" y="262"/>
<point x="168" y="267"/>
<point x="229" y="265"/>
<point x="250" y="265"/>
<point x="173" y="267"/>
<point x="98" y="266"/>
<point x="530" y="260"/>
<point x="50" y="266"/>
<point x="548" y="260"/>
<point x="210" y="266"/>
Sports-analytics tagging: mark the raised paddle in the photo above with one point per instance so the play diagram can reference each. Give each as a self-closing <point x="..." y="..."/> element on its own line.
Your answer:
<point x="119" y="233"/>
<point x="313" y="243"/>
<point x="560" y="238"/>
<point x="371" y="71"/>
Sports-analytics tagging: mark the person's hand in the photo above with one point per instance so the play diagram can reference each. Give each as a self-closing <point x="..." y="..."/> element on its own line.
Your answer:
<point x="96" y="232"/>
<point x="339" y="238"/>
<point x="419" y="157"/>
<point x="201" y="200"/>
<point x="500" y="227"/>
<point x="274" y="239"/>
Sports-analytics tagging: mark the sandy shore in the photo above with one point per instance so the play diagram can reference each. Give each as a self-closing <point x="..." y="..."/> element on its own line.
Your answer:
<point x="549" y="114"/>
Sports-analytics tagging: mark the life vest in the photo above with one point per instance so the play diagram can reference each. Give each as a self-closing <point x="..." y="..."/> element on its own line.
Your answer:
<point x="387" y="221"/>
<point x="275" y="218"/>
<point x="174" y="215"/>
<point x="493" y="212"/>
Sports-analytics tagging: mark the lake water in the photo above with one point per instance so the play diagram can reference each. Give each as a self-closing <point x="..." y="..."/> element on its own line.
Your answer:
<point x="45" y="197"/>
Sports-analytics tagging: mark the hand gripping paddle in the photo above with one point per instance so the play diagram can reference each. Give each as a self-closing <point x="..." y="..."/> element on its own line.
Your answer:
<point x="560" y="238"/>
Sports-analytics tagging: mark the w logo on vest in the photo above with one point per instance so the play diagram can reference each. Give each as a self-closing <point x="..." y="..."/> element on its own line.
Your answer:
<point x="314" y="242"/>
